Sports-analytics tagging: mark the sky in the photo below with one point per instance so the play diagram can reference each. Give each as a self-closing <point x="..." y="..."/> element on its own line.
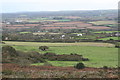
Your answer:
<point x="9" y="6"/>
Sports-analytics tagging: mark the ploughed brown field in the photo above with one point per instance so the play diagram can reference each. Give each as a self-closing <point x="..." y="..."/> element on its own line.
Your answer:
<point x="16" y="27"/>
<point x="68" y="24"/>
<point x="72" y="17"/>
<point x="22" y="25"/>
<point x="18" y="71"/>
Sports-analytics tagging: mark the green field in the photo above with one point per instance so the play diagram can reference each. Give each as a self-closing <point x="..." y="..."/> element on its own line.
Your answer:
<point x="43" y="33"/>
<point x="103" y="22"/>
<point x="100" y="54"/>
<point x="47" y="19"/>
<point x="105" y="31"/>
<point x="108" y="38"/>
<point x="24" y="32"/>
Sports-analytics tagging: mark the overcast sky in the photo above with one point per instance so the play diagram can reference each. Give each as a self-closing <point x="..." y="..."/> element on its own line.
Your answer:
<point x="56" y="5"/>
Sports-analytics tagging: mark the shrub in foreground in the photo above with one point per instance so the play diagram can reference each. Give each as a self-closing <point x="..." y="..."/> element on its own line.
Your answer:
<point x="79" y="66"/>
<point x="43" y="48"/>
<point x="117" y="45"/>
<point x="9" y="50"/>
<point x="105" y="67"/>
<point x="7" y="72"/>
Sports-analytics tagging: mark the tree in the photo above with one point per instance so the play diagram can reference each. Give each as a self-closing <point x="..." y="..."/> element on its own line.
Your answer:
<point x="43" y="48"/>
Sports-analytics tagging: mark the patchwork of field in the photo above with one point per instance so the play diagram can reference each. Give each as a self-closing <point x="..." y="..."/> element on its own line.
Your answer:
<point x="100" y="54"/>
<point x="61" y="24"/>
<point x="73" y="25"/>
<point x="68" y="24"/>
<point x="17" y="27"/>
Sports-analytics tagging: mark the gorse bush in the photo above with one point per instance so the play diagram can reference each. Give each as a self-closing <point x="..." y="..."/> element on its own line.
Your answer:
<point x="105" y="67"/>
<point x="7" y="72"/>
<point x="43" y="48"/>
<point x="10" y="55"/>
<point x="64" y="57"/>
<point x="79" y="66"/>
<point x="117" y="45"/>
<point x="9" y="50"/>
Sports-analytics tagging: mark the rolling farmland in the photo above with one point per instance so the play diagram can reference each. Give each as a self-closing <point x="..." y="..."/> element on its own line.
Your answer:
<point x="100" y="54"/>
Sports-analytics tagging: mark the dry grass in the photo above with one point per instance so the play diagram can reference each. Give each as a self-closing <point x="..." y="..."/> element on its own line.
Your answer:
<point x="59" y="44"/>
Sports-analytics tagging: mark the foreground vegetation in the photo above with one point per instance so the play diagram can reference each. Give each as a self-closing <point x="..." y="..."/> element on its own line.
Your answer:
<point x="100" y="54"/>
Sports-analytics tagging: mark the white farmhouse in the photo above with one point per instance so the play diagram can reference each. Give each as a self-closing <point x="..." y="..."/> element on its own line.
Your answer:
<point x="63" y="36"/>
<point x="79" y="34"/>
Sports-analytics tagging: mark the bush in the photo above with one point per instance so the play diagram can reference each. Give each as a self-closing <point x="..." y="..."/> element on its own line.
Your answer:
<point x="64" y="57"/>
<point x="105" y="67"/>
<point x="79" y="66"/>
<point x="22" y="61"/>
<point x="9" y="50"/>
<point x="3" y="42"/>
<point x="117" y="45"/>
<point x="111" y="39"/>
<point x="43" y="48"/>
<point x="85" y="59"/>
<point x="10" y="55"/>
<point x="7" y="72"/>
<point x="50" y="54"/>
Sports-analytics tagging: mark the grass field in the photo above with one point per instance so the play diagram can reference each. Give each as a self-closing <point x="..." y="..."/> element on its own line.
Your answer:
<point x="45" y="19"/>
<point x="103" y="22"/>
<point x="105" y="31"/>
<point x="100" y="54"/>
<point x="43" y="33"/>
<point x="15" y="43"/>
<point x="108" y="38"/>
<point x="24" y="32"/>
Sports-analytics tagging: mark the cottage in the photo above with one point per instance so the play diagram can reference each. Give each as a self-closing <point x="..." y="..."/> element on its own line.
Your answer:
<point x="79" y="35"/>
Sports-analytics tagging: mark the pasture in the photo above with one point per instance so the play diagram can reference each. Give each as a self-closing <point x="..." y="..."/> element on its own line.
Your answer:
<point x="24" y="32"/>
<point x="47" y="19"/>
<point x="105" y="31"/>
<point x="100" y="54"/>
<point x="103" y="22"/>
<point x="43" y="33"/>
<point x="108" y="38"/>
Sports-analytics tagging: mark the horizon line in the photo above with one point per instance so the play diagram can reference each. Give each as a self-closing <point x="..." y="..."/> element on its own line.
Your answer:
<point x="57" y="10"/>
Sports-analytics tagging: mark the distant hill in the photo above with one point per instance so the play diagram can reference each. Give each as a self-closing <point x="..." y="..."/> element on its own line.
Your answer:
<point x="82" y="13"/>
